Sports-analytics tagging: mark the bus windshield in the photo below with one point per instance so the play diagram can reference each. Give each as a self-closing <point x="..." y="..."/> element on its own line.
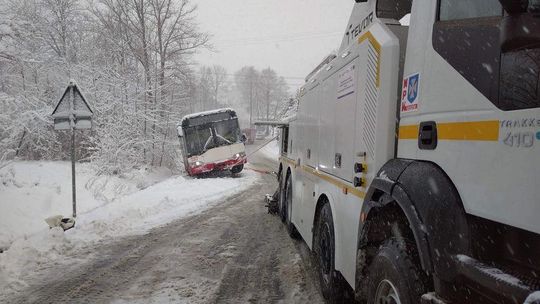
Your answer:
<point x="211" y="135"/>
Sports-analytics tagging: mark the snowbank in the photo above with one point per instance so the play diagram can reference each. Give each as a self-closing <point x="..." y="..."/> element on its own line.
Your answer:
<point x="33" y="191"/>
<point x="159" y="204"/>
<point x="108" y="207"/>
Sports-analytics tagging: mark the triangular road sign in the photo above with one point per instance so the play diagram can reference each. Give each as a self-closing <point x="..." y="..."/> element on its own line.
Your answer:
<point x="72" y="111"/>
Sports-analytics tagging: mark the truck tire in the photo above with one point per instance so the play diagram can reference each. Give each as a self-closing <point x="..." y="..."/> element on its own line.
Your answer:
<point x="291" y="229"/>
<point x="282" y="213"/>
<point x="324" y="249"/>
<point x="393" y="276"/>
<point x="237" y="169"/>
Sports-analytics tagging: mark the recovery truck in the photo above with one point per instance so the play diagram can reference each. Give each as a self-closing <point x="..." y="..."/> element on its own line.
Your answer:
<point x="412" y="168"/>
<point x="211" y="141"/>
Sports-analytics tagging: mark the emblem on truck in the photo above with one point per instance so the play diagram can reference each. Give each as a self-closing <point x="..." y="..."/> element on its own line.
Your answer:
<point x="410" y="92"/>
<point x="354" y="31"/>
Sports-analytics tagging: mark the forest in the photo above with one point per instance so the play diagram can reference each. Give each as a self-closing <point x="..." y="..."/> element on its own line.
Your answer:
<point x="135" y="62"/>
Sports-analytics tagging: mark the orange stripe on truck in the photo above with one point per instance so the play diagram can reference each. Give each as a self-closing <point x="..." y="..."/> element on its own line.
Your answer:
<point x="471" y="130"/>
<point x="408" y="132"/>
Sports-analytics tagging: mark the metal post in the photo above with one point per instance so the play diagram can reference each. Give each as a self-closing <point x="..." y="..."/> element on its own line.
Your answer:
<point x="73" y="172"/>
<point x="73" y="187"/>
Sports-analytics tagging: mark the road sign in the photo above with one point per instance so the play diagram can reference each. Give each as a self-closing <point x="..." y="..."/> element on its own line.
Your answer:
<point x="72" y="111"/>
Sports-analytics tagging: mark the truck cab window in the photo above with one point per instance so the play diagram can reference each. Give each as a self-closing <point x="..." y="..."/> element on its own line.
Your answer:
<point x="466" y="9"/>
<point x="467" y="35"/>
<point x="392" y="9"/>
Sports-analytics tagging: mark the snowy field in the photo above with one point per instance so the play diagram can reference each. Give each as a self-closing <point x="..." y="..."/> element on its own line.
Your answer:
<point x="108" y="207"/>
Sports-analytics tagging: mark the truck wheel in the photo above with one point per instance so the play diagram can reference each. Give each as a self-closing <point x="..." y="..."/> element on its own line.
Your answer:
<point x="393" y="275"/>
<point x="293" y="233"/>
<point x="237" y="169"/>
<point x="282" y="205"/>
<point x="324" y="248"/>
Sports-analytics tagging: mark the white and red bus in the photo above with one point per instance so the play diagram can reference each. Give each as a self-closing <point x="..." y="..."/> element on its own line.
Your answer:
<point x="212" y="141"/>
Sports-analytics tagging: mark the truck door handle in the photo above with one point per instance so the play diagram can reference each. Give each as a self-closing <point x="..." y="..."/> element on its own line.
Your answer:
<point x="337" y="160"/>
<point x="427" y="137"/>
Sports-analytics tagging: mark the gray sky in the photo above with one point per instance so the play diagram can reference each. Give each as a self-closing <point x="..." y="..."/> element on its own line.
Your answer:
<point x="290" y="36"/>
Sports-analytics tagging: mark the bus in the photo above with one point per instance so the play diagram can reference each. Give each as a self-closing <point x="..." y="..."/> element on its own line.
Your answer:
<point x="212" y="141"/>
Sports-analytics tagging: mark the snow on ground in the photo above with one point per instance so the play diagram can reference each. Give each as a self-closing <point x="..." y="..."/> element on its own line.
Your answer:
<point x="271" y="150"/>
<point x="108" y="207"/>
<point x="33" y="191"/>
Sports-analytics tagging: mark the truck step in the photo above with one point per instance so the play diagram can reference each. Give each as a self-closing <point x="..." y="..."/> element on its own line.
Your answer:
<point x="431" y="298"/>
<point x="492" y="281"/>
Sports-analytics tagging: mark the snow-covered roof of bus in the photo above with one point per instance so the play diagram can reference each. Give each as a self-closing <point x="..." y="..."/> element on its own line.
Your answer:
<point x="206" y="113"/>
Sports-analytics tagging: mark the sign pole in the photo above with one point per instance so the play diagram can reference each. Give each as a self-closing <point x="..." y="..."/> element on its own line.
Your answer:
<point x="72" y="122"/>
<point x="72" y="113"/>
<point x="73" y="172"/>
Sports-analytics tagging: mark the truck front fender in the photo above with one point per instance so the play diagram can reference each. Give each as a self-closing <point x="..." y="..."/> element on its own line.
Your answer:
<point x="432" y="207"/>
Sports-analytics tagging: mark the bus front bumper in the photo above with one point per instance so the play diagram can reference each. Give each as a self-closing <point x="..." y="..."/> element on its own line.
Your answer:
<point x="217" y="166"/>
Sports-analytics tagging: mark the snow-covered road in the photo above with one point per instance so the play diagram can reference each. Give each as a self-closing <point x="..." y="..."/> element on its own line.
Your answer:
<point x="123" y="206"/>
<point x="233" y="252"/>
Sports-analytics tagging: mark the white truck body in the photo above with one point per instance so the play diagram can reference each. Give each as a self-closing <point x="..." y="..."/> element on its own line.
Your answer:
<point x="369" y="105"/>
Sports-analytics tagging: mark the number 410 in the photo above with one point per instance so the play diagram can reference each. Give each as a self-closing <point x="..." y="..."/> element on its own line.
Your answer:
<point x="522" y="139"/>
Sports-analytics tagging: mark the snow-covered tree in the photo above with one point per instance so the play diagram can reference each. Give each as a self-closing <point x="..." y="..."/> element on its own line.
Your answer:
<point x="132" y="58"/>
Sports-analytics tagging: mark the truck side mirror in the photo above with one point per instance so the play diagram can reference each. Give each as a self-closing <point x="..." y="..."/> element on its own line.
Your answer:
<point x="244" y="138"/>
<point x="517" y="32"/>
<point x="514" y="6"/>
<point x="180" y="131"/>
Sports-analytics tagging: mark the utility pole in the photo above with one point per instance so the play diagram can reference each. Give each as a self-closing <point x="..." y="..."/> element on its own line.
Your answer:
<point x="250" y="102"/>
<point x="267" y="109"/>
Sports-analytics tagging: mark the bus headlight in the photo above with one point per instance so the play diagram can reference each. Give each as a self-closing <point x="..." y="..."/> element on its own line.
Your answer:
<point x="240" y="155"/>
<point x="195" y="163"/>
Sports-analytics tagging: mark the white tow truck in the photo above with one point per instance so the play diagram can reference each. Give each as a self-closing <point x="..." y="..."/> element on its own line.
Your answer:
<point x="412" y="169"/>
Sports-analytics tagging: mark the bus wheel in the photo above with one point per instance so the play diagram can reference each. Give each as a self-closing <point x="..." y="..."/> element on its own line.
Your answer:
<point x="293" y="233"/>
<point x="324" y="247"/>
<point x="237" y="169"/>
<point x="393" y="276"/>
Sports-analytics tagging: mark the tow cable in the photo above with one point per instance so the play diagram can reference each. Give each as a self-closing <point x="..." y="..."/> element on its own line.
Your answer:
<point x="271" y="201"/>
<point x="262" y="146"/>
<point x="261" y="171"/>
